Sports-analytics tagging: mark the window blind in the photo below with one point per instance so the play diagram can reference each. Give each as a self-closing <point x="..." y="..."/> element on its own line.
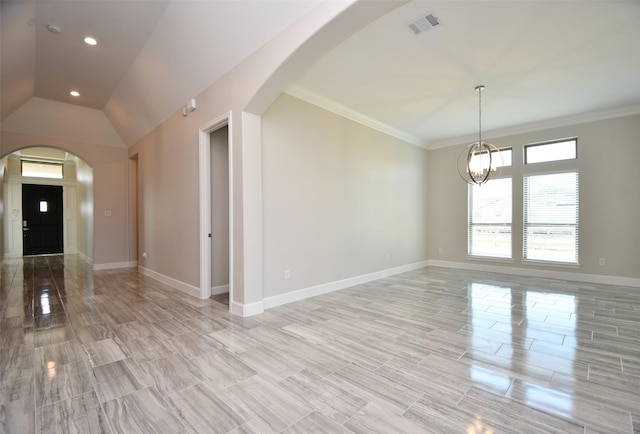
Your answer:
<point x="551" y="217"/>
<point x="490" y="219"/>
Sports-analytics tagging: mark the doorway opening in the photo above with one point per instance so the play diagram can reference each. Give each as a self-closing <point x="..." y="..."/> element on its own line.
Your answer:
<point x="219" y="169"/>
<point x="216" y="211"/>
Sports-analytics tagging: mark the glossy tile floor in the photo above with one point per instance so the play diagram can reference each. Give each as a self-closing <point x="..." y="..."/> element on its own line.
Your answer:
<point x="434" y="350"/>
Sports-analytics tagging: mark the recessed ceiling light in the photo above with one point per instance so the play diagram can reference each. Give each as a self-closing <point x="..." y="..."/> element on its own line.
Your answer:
<point x="74" y="93"/>
<point x="90" y="41"/>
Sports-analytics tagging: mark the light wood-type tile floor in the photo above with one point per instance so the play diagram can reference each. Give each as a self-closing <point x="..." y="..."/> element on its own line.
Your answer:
<point x="433" y="350"/>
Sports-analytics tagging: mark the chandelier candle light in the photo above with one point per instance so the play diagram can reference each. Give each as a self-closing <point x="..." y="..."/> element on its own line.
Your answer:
<point x="479" y="161"/>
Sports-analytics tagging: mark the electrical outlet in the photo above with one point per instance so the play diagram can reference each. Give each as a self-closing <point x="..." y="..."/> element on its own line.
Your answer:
<point x="287" y="275"/>
<point x="145" y="255"/>
<point x="441" y="250"/>
<point x="602" y="261"/>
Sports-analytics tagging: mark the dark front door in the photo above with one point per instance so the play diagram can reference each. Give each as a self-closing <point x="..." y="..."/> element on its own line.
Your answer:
<point x="42" y="219"/>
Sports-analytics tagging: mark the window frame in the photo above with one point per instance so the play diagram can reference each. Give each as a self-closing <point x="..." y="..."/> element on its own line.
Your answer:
<point x="547" y="143"/>
<point x="43" y="163"/>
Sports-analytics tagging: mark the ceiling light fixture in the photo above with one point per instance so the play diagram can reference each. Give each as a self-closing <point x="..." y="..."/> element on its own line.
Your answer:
<point x="54" y="28"/>
<point x="74" y="93"/>
<point x="90" y="41"/>
<point x="479" y="161"/>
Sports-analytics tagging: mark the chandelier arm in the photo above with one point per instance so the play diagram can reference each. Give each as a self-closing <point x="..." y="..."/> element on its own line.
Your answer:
<point x="489" y="169"/>
<point x="470" y="156"/>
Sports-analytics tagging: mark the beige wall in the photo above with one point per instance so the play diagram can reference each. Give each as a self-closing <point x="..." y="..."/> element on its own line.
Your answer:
<point x="168" y="156"/>
<point x="340" y="199"/>
<point x="608" y="152"/>
<point x="168" y="201"/>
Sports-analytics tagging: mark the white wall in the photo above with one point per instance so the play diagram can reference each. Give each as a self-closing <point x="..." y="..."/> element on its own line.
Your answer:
<point x="85" y="209"/>
<point x="341" y="200"/>
<point x="608" y="152"/>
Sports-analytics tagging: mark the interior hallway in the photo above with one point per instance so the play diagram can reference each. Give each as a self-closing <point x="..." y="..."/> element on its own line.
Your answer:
<point x="433" y="350"/>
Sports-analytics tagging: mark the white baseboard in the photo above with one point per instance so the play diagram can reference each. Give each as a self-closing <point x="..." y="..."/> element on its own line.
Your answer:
<point x="170" y="281"/>
<point x="115" y="265"/>
<point x="245" y="310"/>
<point x="14" y="255"/>
<point x="222" y="289"/>
<point x="533" y="272"/>
<point x="301" y="294"/>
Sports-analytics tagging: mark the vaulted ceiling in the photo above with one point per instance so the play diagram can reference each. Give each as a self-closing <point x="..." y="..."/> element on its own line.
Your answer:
<point x="542" y="62"/>
<point x="152" y="56"/>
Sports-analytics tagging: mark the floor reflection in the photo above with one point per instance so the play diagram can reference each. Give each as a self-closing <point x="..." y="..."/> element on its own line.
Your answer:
<point x="431" y="350"/>
<point x="521" y="318"/>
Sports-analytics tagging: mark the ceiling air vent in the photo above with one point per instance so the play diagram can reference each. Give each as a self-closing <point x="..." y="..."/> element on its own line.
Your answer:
<point x="424" y="23"/>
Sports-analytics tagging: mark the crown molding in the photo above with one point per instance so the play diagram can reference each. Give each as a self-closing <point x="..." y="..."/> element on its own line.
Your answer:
<point x="332" y="106"/>
<point x="541" y="125"/>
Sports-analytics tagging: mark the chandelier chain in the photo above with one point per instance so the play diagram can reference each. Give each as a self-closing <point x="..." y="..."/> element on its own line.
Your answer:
<point x="479" y="89"/>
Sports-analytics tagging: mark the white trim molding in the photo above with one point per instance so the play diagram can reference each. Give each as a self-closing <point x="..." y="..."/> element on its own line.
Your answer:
<point x="114" y="265"/>
<point x="544" y="124"/>
<point x="301" y="294"/>
<point x="246" y="310"/>
<point x="170" y="281"/>
<point x="531" y="272"/>
<point x="222" y="289"/>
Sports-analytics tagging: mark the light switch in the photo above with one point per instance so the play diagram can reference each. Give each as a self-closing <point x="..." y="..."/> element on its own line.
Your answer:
<point x="107" y="213"/>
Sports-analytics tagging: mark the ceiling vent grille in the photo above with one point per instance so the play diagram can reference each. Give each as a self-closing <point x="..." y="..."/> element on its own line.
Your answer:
<point x="424" y="23"/>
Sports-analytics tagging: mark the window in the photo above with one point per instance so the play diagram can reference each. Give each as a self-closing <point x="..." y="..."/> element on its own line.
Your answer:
<point x="551" y="151"/>
<point x="490" y="219"/>
<point x="41" y="170"/>
<point x="551" y="218"/>
<point x="505" y="155"/>
<point x="480" y="159"/>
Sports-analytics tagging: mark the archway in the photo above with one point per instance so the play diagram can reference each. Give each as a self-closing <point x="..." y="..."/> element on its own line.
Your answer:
<point x="65" y="169"/>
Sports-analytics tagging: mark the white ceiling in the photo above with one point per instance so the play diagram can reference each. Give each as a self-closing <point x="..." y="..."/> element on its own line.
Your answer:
<point x="541" y="61"/>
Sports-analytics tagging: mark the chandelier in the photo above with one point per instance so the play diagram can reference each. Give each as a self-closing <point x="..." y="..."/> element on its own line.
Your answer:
<point x="480" y="160"/>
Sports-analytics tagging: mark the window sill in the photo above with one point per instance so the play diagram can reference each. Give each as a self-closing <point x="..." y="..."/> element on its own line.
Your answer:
<point x="551" y="264"/>
<point x="490" y="259"/>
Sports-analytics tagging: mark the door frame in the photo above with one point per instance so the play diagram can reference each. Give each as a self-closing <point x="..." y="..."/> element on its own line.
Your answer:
<point x="13" y="247"/>
<point x="205" y="204"/>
